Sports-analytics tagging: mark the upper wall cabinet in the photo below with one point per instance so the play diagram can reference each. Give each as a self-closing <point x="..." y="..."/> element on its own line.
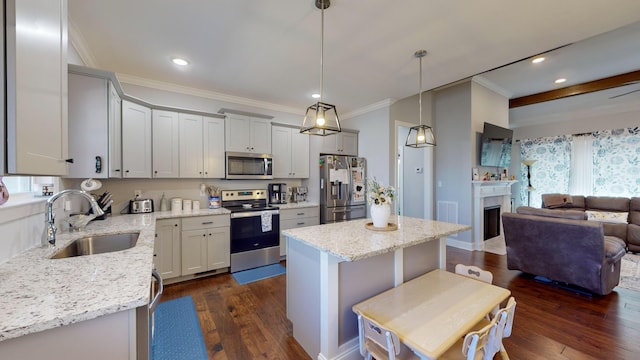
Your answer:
<point x="115" y="133"/>
<point x="36" y="87"/>
<point x="247" y="134"/>
<point x="95" y="114"/>
<point x="136" y="140"/>
<point x="343" y="143"/>
<point x="166" y="142"/>
<point x="290" y="151"/>
<point x="201" y="146"/>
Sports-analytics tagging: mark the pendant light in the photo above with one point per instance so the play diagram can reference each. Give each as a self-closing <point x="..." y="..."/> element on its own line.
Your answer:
<point x="321" y="118"/>
<point x="421" y="135"/>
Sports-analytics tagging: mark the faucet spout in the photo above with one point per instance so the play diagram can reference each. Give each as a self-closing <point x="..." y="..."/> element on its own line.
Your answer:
<point x="50" y="227"/>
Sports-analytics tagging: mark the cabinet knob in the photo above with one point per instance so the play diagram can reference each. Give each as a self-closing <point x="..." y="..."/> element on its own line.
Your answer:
<point x="126" y="171"/>
<point x="200" y="172"/>
<point x="117" y="170"/>
<point x="176" y="225"/>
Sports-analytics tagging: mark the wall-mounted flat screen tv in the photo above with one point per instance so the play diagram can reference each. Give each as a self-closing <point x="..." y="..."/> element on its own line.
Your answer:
<point x="496" y="146"/>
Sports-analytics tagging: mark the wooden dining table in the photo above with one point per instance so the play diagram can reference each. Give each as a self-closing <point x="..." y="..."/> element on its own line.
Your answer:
<point x="431" y="312"/>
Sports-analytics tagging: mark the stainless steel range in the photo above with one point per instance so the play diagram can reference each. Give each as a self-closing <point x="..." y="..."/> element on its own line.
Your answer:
<point x="255" y="229"/>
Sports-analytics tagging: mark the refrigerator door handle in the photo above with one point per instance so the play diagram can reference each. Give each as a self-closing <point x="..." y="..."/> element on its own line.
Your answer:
<point x="351" y="180"/>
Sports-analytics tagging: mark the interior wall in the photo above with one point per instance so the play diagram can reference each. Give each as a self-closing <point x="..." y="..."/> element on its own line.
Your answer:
<point x="453" y="159"/>
<point x="486" y="106"/>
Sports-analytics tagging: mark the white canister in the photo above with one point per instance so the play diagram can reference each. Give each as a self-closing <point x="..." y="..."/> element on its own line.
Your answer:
<point x="196" y="205"/>
<point x="176" y="204"/>
<point x="186" y="205"/>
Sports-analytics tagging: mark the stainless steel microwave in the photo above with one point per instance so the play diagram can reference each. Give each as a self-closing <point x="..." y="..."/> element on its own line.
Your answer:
<point x="241" y="165"/>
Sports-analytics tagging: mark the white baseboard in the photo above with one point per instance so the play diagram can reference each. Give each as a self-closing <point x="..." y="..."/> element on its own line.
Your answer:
<point x="460" y="244"/>
<point x="347" y="351"/>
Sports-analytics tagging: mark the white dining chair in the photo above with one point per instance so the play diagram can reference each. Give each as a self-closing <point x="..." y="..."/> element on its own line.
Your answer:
<point x="509" y="310"/>
<point x="479" y="344"/>
<point x="474" y="272"/>
<point x="380" y="343"/>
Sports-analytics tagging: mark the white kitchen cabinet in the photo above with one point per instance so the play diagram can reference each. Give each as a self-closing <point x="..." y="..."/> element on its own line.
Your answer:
<point x="205" y="243"/>
<point x="86" y="339"/>
<point x="290" y="151"/>
<point x="213" y="132"/>
<point x="115" y="133"/>
<point x="201" y="146"/>
<point x="36" y="87"/>
<point x="167" y="257"/>
<point x="166" y="141"/>
<point x="94" y="127"/>
<point x="136" y="140"/>
<point x="247" y="134"/>
<point x="296" y="218"/>
<point x="88" y="126"/>
<point x="343" y="143"/>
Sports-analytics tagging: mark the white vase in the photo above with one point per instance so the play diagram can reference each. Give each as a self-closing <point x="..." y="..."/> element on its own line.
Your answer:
<point x="380" y="215"/>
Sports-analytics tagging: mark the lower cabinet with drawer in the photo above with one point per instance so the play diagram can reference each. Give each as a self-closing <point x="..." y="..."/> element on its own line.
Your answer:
<point x="205" y="243"/>
<point x="296" y="218"/>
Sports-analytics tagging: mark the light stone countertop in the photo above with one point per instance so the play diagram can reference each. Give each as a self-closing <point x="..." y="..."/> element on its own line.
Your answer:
<point x="351" y="241"/>
<point x="38" y="293"/>
<point x="299" y="205"/>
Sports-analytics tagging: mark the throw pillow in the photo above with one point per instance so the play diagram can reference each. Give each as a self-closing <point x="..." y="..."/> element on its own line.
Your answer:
<point x="607" y="216"/>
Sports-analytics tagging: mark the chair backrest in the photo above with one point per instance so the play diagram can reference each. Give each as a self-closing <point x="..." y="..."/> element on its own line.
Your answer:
<point x="474" y="272"/>
<point x="504" y="320"/>
<point x="480" y="341"/>
<point x="510" y="310"/>
<point x="379" y="335"/>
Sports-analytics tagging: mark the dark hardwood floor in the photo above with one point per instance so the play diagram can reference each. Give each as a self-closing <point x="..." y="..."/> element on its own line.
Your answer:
<point x="249" y="321"/>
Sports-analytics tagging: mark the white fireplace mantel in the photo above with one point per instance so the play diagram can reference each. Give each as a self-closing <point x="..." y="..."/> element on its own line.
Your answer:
<point x="496" y="192"/>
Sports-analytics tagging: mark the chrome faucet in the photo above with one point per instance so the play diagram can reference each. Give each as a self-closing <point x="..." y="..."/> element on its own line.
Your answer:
<point x="50" y="227"/>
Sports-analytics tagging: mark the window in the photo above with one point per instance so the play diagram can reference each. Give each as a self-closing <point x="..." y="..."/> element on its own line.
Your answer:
<point x="17" y="184"/>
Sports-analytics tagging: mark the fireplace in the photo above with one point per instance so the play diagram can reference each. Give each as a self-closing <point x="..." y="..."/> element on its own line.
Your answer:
<point x="491" y="222"/>
<point x="488" y="195"/>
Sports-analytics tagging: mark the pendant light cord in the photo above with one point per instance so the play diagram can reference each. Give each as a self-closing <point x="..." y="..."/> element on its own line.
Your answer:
<point x="420" y="92"/>
<point x="321" y="49"/>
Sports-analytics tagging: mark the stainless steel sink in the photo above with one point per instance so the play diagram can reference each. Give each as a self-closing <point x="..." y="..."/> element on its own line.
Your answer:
<point x="98" y="244"/>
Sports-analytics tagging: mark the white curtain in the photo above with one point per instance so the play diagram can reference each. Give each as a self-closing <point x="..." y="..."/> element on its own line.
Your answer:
<point x="581" y="175"/>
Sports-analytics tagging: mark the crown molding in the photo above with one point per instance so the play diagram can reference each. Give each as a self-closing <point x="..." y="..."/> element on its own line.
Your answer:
<point x="491" y="86"/>
<point x="161" y="85"/>
<point x="80" y="44"/>
<point x="369" y="108"/>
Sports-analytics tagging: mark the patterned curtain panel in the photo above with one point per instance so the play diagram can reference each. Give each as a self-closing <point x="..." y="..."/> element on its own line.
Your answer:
<point x="550" y="173"/>
<point x="616" y="162"/>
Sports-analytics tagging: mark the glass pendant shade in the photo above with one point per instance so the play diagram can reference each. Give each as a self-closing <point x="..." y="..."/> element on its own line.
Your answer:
<point x="321" y="119"/>
<point x="421" y="136"/>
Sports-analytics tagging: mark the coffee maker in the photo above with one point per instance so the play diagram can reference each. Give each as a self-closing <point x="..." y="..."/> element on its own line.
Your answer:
<point x="277" y="193"/>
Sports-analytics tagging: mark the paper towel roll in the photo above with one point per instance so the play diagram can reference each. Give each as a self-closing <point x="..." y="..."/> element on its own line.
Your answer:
<point x="90" y="185"/>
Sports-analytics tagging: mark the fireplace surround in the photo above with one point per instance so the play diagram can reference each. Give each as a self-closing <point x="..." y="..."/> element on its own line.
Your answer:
<point x="488" y="194"/>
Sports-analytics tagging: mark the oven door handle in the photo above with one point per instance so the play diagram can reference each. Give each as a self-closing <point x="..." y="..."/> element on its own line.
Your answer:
<point x="156" y="299"/>
<point x="252" y="214"/>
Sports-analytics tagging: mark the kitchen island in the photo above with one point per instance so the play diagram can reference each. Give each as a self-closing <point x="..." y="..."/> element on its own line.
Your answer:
<point x="331" y="267"/>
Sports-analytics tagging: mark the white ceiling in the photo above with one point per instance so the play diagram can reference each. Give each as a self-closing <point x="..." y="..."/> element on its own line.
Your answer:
<point x="269" y="51"/>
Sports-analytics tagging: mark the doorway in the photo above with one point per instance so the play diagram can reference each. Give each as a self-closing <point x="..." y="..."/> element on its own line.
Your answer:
<point x="414" y="176"/>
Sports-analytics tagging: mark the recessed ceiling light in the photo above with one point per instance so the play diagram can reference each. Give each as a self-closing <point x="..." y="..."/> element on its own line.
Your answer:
<point x="315" y="96"/>
<point x="560" y="81"/>
<point x="538" y="60"/>
<point x="181" y="62"/>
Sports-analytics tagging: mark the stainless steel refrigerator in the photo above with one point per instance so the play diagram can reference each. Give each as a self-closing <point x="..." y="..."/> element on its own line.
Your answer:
<point x="342" y="188"/>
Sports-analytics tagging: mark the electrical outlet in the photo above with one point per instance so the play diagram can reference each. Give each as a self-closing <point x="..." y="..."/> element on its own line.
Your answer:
<point x="137" y="193"/>
<point x="418" y="170"/>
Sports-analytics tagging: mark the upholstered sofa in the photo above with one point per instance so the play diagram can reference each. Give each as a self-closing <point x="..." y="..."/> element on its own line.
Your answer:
<point x="620" y="216"/>
<point x="564" y="247"/>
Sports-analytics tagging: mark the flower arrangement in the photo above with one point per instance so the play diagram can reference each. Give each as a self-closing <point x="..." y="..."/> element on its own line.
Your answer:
<point x="378" y="194"/>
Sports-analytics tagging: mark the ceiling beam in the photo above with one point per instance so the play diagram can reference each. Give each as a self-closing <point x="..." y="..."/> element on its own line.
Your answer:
<point x="591" y="86"/>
